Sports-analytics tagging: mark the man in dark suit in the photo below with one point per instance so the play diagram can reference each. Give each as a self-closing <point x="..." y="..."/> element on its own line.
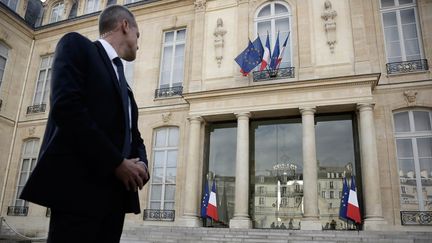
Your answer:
<point x="93" y="159"/>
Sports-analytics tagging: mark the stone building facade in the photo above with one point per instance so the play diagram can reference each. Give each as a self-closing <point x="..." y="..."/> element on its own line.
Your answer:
<point x="352" y="96"/>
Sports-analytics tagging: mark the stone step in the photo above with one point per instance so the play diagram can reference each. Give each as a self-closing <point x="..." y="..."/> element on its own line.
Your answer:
<point x="197" y="235"/>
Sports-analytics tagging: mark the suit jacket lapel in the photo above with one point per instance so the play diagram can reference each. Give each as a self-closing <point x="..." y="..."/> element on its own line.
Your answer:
<point x="108" y="65"/>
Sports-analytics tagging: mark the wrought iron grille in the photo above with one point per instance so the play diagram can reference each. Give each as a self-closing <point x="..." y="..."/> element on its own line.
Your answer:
<point x="159" y="215"/>
<point x="36" y="108"/>
<point x="407" y="67"/>
<point x="416" y="217"/>
<point x="17" y="211"/>
<point x="274" y="74"/>
<point x="168" y="92"/>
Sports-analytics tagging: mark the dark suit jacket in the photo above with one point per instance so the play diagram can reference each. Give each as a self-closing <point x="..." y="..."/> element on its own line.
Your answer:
<point x="84" y="136"/>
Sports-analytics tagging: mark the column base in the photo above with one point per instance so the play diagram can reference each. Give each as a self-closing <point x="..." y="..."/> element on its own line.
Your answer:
<point x="310" y="225"/>
<point x="375" y="224"/>
<point x="240" y="223"/>
<point x="189" y="221"/>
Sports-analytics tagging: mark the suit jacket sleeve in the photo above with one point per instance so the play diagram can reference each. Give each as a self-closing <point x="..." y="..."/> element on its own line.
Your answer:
<point x="68" y="105"/>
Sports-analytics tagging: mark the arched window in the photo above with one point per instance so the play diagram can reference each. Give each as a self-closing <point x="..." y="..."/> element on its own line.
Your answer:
<point x="57" y="12"/>
<point x="274" y="18"/>
<point x="163" y="182"/>
<point x="413" y="134"/>
<point x="28" y="162"/>
<point x="91" y="6"/>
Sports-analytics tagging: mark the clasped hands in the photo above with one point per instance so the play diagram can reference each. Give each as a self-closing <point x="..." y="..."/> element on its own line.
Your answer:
<point x="133" y="173"/>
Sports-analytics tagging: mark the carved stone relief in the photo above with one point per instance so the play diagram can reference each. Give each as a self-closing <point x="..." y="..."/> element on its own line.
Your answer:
<point x="31" y="131"/>
<point x="410" y="97"/>
<point x="219" y="33"/>
<point x="166" y="117"/>
<point x="329" y="16"/>
<point x="200" y="5"/>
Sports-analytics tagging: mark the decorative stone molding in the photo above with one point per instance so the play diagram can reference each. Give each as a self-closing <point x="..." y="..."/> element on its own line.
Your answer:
<point x="219" y="33"/>
<point x="410" y="97"/>
<point x="200" y="5"/>
<point x="329" y="16"/>
<point x="31" y="131"/>
<point x="244" y="1"/>
<point x="166" y="117"/>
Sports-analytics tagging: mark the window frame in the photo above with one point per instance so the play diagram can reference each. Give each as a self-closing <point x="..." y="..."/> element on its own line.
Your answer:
<point x="59" y="16"/>
<point x="273" y="32"/>
<point x="32" y="158"/>
<point x="412" y="135"/>
<point x="3" y="54"/>
<point x="397" y="8"/>
<point x="46" y="79"/>
<point x="91" y="9"/>
<point x="174" y="44"/>
<point x="166" y="148"/>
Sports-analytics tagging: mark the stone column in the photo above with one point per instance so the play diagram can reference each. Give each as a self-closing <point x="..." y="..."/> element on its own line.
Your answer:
<point x="310" y="219"/>
<point x="241" y="217"/>
<point x="370" y="170"/>
<point x="198" y="46"/>
<point x="191" y="199"/>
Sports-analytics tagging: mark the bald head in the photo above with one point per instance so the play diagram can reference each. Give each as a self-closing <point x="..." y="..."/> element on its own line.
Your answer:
<point x="111" y="16"/>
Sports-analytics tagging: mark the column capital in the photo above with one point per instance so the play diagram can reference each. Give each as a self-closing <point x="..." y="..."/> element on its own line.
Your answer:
<point x="365" y="106"/>
<point x="195" y="119"/>
<point x="242" y="114"/>
<point x="307" y="110"/>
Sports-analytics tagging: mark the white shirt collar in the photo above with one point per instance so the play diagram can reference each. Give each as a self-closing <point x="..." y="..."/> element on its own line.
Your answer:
<point x="109" y="49"/>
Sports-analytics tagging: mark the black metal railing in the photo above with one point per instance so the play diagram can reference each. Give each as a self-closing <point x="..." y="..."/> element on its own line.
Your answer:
<point x="159" y="215"/>
<point x="288" y="72"/>
<point x="17" y="211"/>
<point x="407" y="67"/>
<point x="169" y="92"/>
<point x="36" y="108"/>
<point x="416" y="217"/>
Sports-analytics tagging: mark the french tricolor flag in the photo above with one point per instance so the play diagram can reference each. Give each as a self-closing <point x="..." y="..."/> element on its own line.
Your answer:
<point x="279" y="60"/>
<point x="212" y="211"/>
<point x="266" y="56"/>
<point x="353" y="210"/>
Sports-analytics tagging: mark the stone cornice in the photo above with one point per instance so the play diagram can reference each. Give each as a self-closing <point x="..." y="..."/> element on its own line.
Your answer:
<point x="15" y="20"/>
<point x="363" y="79"/>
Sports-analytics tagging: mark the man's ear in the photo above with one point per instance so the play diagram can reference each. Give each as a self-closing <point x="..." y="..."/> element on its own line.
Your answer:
<point x="125" y="26"/>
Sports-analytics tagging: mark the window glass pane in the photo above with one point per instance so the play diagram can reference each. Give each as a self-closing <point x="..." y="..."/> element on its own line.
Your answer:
<point x="394" y="49"/>
<point x="391" y="34"/>
<point x="405" y="2"/>
<point x="407" y="16"/>
<point x="169" y="36"/>
<point x="23" y="179"/>
<point x="170" y="175"/>
<point x="155" y="205"/>
<point x="422" y="121"/>
<point x="401" y="122"/>
<point x="172" y="158"/>
<point x="156" y="192"/>
<point x="263" y="28"/>
<point x="279" y="8"/>
<point x="173" y="137"/>
<point x="282" y="25"/>
<point x="406" y="168"/>
<point x="409" y="31"/>
<point x="426" y="175"/>
<point x="157" y="175"/>
<point x="159" y="159"/>
<point x="166" y="65"/>
<point x="181" y="34"/>
<point x="161" y="138"/>
<point x="424" y="146"/>
<point x="169" y="206"/>
<point x="404" y="148"/>
<point x="33" y="164"/>
<point x="387" y="3"/>
<point x="277" y="157"/>
<point x="389" y="19"/>
<point x="265" y="11"/>
<point x="169" y="193"/>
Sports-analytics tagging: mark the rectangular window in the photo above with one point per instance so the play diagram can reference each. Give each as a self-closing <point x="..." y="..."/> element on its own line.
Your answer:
<point x="163" y="182"/>
<point x="91" y="6"/>
<point x="28" y="162"/>
<point x="332" y="194"/>
<point x="261" y="201"/>
<point x="3" y="59"/>
<point x="12" y="4"/>
<point x="172" y="61"/>
<point x="413" y="135"/>
<point x="401" y="30"/>
<point x="43" y="81"/>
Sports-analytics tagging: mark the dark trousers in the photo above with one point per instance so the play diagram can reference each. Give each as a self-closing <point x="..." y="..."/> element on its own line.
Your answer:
<point x="76" y="227"/>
